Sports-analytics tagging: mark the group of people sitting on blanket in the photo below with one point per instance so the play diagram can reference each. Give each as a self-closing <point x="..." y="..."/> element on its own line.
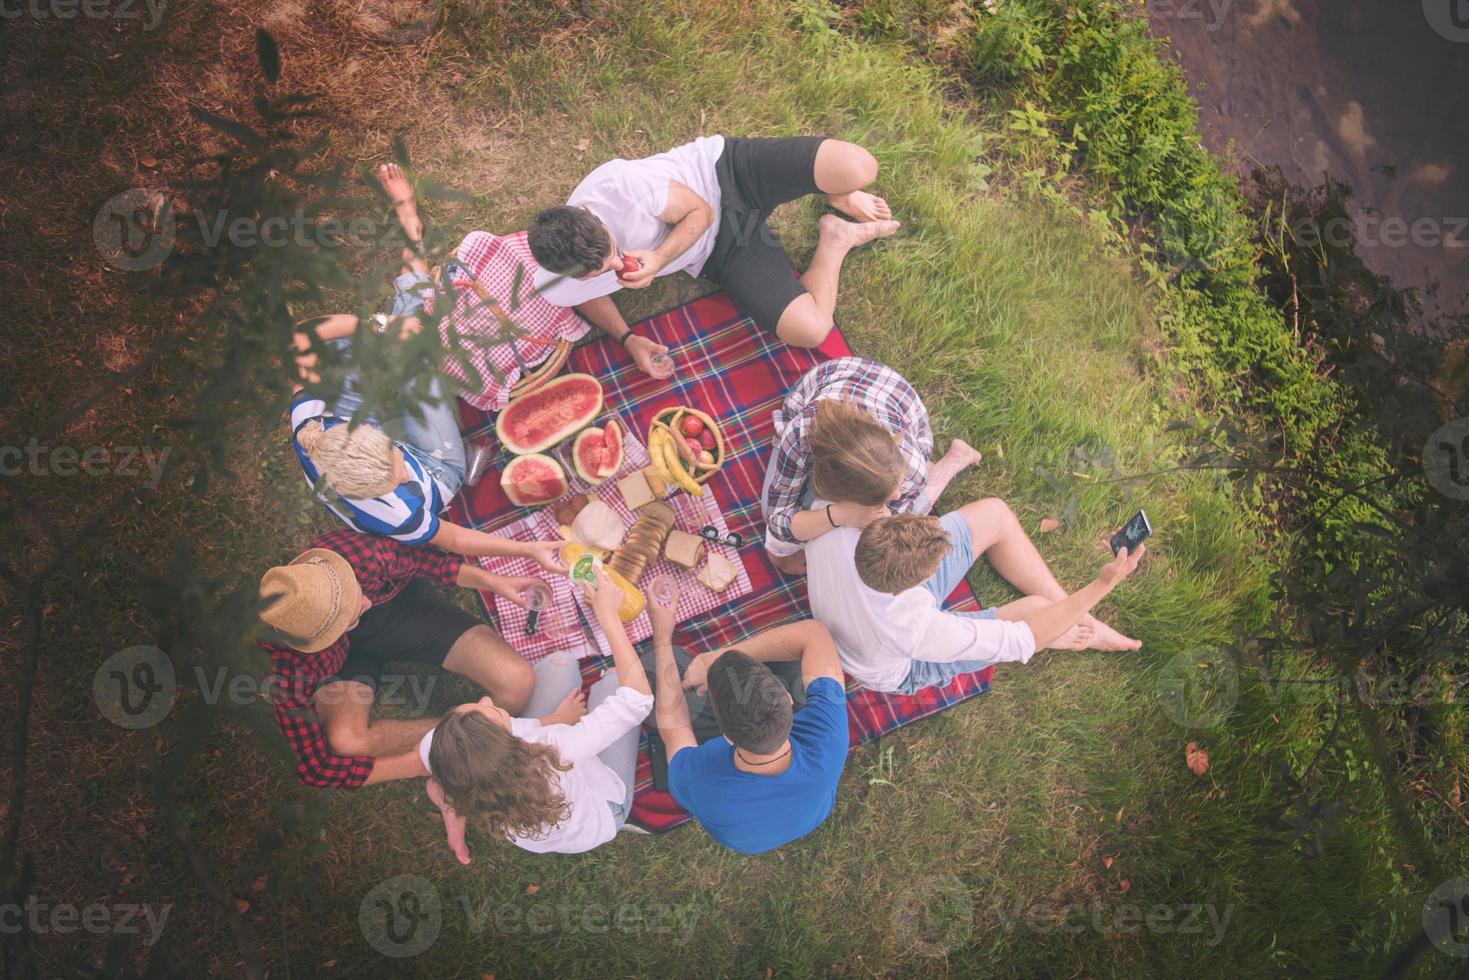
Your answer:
<point x="755" y="734"/>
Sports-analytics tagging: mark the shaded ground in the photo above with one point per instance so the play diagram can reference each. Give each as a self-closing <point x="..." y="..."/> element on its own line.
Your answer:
<point x="1373" y="93"/>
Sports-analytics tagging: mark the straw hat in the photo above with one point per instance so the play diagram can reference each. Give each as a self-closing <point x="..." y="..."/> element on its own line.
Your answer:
<point x="311" y="601"/>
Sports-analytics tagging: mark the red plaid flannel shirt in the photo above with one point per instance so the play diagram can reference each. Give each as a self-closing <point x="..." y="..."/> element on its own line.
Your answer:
<point x="876" y="388"/>
<point x="383" y="568"/>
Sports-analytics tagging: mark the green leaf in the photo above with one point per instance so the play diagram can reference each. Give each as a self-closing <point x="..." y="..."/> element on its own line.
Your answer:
<point x="269" y="55"/>
<point x="229" y="127"/>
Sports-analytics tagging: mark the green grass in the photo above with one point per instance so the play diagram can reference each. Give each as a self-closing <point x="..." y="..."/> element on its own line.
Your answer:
<point x="1028" y="338"/>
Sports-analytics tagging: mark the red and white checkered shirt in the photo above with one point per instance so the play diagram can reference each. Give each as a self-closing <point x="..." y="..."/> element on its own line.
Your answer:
<point x="878" y="390"/>
<point x="474" y="327"/>
<point x="383" y="567"/>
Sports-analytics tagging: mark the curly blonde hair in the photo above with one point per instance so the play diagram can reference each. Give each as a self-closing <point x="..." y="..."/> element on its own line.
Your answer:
<point x="492" y="778"/>
<point x="853" y="457"/>
<point x="356" y="462"/>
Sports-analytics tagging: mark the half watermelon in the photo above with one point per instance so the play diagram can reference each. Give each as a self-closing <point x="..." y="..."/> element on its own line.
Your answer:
<point x="533" y="479"/>
<point x="549" y="414"/>
<point x="597" y="453"/>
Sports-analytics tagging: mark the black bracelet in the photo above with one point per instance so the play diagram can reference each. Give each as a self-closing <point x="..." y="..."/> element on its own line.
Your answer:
<point x="829" y="518"/>
<point x="624" y="338"/>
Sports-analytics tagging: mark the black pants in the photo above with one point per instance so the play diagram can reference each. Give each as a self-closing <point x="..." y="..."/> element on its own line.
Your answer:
<point x="701" y="712"/>
<point x="755" y="177"/>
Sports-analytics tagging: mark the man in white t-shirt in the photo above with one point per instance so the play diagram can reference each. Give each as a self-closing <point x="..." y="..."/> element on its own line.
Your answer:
<point x="879" y="590"/>
<point x="701" y="208"/>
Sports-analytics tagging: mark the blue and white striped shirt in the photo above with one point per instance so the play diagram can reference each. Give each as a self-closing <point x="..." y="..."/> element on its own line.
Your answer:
<point x="409" y="513"/>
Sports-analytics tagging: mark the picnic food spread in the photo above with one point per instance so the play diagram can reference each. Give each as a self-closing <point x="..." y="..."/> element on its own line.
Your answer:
<point x="548" y="415"/>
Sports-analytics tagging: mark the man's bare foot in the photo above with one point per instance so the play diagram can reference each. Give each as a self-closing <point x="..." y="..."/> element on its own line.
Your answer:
<point x="1079" y="637"/>
<point x="861" y="205"/>
<point x="961" y="454"/>
<point x="400" y="193"/>
<point x="1105" y="637"/>
<point x="453" y="823"/>
<point x="849" y="234"/>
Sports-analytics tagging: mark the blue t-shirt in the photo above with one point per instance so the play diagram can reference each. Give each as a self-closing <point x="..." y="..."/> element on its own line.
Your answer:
<point x="409" y="513"/>
<point x="750" y="813"/>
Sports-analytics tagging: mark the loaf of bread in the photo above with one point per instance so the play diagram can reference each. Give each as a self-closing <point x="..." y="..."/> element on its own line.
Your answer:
<point x="644" y="541"/>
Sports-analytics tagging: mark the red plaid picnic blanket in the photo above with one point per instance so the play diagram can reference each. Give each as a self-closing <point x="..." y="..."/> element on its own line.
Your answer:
<point x="504" y="266"/>
<point x="737" y="373"/>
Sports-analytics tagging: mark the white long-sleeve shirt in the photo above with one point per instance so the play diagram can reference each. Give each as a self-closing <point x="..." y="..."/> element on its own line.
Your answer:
<point x="878" y="635"/>
<point x="589" y="785"/>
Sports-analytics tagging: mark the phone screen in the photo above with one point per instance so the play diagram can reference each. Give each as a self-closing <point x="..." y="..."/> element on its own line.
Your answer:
<point x="1133" y="533"/>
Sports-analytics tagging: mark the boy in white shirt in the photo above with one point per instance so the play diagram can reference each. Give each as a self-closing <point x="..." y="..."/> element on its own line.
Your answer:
<point x="702" y="208"/>
<point x="879" y="592"/>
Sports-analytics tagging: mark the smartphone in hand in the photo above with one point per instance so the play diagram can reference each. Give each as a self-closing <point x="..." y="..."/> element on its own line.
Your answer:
<point x="1133" y="533"/>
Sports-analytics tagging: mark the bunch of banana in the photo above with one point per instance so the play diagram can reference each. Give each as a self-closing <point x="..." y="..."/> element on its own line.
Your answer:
<point x="687" y="447"/>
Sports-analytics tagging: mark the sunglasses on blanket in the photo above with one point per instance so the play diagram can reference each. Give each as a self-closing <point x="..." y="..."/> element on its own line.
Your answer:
<point x="732" y="538"/>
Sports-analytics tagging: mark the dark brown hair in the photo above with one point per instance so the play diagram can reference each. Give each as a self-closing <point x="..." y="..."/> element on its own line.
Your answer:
<point x="490" y="777"/>
<point x="897" y="553"/>
<point x="752" y="707"/>
<point x="568" y="240"/>
<point x="853" y="458"/>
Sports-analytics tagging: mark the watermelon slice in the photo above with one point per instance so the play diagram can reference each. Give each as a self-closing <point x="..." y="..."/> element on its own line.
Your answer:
<point x="539" y="420"/>
<point x="587" y="453"/>
<point x="532" y="480"/>
<point x="611" y="449"/>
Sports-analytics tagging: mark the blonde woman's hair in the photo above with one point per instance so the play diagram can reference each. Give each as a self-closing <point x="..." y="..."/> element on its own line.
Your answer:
<point x="355" y="462"/>
<point x="897" y="553"/>
<point x="496" y="780"/>
<point x="853" y="458"/>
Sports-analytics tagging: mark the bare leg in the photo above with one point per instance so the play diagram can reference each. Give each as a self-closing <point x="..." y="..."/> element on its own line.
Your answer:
<point x="960" y="456"/>
<point x="484" y="657"/>
<point x="809" y="318"/>
<point x="345" y="711"/>
<point x="1079" y="637"/>
<point x="454" y="824"/>
<point x="997" y="534"/>
<point x="842" y="170"/>
<point x="400" y="193"/>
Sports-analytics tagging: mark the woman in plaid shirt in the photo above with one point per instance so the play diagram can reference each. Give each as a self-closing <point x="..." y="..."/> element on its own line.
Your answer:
<point x="854" y="432"/>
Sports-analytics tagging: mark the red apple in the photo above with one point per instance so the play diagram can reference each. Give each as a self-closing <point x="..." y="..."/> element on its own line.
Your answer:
<point x="629" y="266"/>
<point x="706" y="439"/>
<point x="691" y="425"/>
<point x="694" y="447"/>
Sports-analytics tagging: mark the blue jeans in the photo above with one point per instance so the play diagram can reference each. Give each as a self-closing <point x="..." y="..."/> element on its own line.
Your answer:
<point x="951" y="571"/>
<point x="434" y="439"/>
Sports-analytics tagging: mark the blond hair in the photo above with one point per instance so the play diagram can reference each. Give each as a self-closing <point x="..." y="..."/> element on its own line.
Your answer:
<point x="853" y="458"/>
<point x="355" y="462"/>
<point x="897" y="553"/>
